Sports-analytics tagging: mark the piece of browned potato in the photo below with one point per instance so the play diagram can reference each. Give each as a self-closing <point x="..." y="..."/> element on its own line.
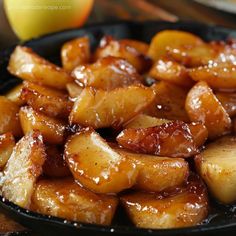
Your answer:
<point x="198" y="130"/>
<point x="96" y="165"/>
<point x="27" y="65"/>
<point x="75" y="52"/>
<point x="217" y="75"/>
<point x="7" y="143"/>
<point x="157" y="173"/>
<point x="14" y="95"/>
<point x="169" y="102"/>
<point x="188" y="207"/>
<point x="49" y="101"/>
<point x="51" y="128"/>
<point x="135" y="52"/>
<point x="107" y="73"/>
<point x="228" y="101"/>
<point x="23" y="168"/>
<point x="99" y="108"/>
<point x="216" y="165"/>
<point x="9" y="120"/>
<point x="66" y="199"/>
<point x="55" y="165"/>
<point x="166" y="39"/>
<point x="173" y="139"/>
<point x="203" y="106"/>
<point x="171" y="71"/>
<point x="74" y="90"/>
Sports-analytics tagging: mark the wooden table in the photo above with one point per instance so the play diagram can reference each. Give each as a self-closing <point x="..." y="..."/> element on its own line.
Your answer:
<point x="139" y="10"/>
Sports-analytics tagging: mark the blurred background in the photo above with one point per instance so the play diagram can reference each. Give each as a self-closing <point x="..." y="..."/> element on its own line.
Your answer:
<point x="31" y="18"/>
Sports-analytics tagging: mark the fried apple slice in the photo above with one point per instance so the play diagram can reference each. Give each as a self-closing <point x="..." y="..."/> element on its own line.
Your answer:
<point x="55" y="165"/>
<point x="217" y="75"/>
<point x="9" y="120"/>
<point x="173" y="139"/>
<point x="65" y="199"/>
<point x="23" y="169"/>
<point x="188" y="207"/>
<point x="51" y="128"/>
<point x="74" y="90"/>
<point x="49" y="101"/>
<point x="157" y="173"/>
<point x="101" y="108"/>
<point x="198" y="130"/>
<point x="7" y="143"/>
<point x="216" y="166"/>
<point x="228" y="101"/>
<point x="203" y="106"/>
<point x="27" y="65"/>
<point x="166" y="39"/>
<point x="135" y="52"/>
<point x="96" y="166"/>
<point x="169" y="102"/>
<point x="172" y="72"/>
<point x="14" y="95"/>
<point x="75" y="52"/>
<point x="107" y="73"/>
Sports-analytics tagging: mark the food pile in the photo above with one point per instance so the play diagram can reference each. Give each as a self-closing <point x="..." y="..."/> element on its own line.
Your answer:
<point x="147" y="126"/>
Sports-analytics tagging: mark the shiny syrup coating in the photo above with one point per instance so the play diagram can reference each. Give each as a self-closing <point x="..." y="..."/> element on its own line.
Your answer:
<point x="158" y="140"/>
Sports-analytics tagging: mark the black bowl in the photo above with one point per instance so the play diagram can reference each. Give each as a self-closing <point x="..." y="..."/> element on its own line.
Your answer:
<point x="222" y="218"/>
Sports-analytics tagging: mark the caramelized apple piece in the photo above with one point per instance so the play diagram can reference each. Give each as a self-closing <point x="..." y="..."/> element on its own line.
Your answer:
<point x="157" y="173"/>
<point x="7" y="143"/>
<point x="23" y="169"/>
<point x="55" y="165"/>
<point x="74" y="90"/>
<point x="110" y="108"/>
<point x="217" y="75"/>
<point x="75" y="52"/>
<point x="96" y="166"/>
<point x="216" y="165"/>
<point x="135" y="52"/>
<point x="9" y="120"/>
<point x="198" y="130"/>
<point x="173" y="139"/>
<point x="49" y="101"/>
<point x="228" y="101"/>
<point x="51" y="128"/>
<point x="171" y="71"/>
<point x="27" y="65"/>
<point x="14" y="95"/>
<point x="8" y="226"/>
<point x="66" y="199"/>
<point x="166" y="39"/>
<point x="107" y="73"/>
<point x="188" y="207"/>
<point x="169" y="102"/>
<point x="203" y="106"/>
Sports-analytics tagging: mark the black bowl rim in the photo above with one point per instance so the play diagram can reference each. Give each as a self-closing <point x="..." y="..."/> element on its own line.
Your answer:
<point x="94" y="228"/>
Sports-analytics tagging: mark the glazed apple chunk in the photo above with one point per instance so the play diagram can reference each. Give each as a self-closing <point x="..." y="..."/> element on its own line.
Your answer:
<point x="23" y="169"/>
<point x="49" y="101"/>
<point x="96" y="165"/>
<point x="203" y="106"/>
<point x="27" y="65"/>
<point x="66" y="199"/>
<point x="51" y="128"/>
<point x="198" y="130"/>
<point x="75" y="52"/>
<point x="107" y="73"/>
<point x="100" y="109"/>
<point x="158" y="140"/>
<point x="188" y="207"/>
<point x="157" y="174"/>
<point x="216" y="166"/>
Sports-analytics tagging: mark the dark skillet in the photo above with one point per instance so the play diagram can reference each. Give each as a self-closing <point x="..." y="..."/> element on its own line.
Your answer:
<point x="222" y="218"/>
